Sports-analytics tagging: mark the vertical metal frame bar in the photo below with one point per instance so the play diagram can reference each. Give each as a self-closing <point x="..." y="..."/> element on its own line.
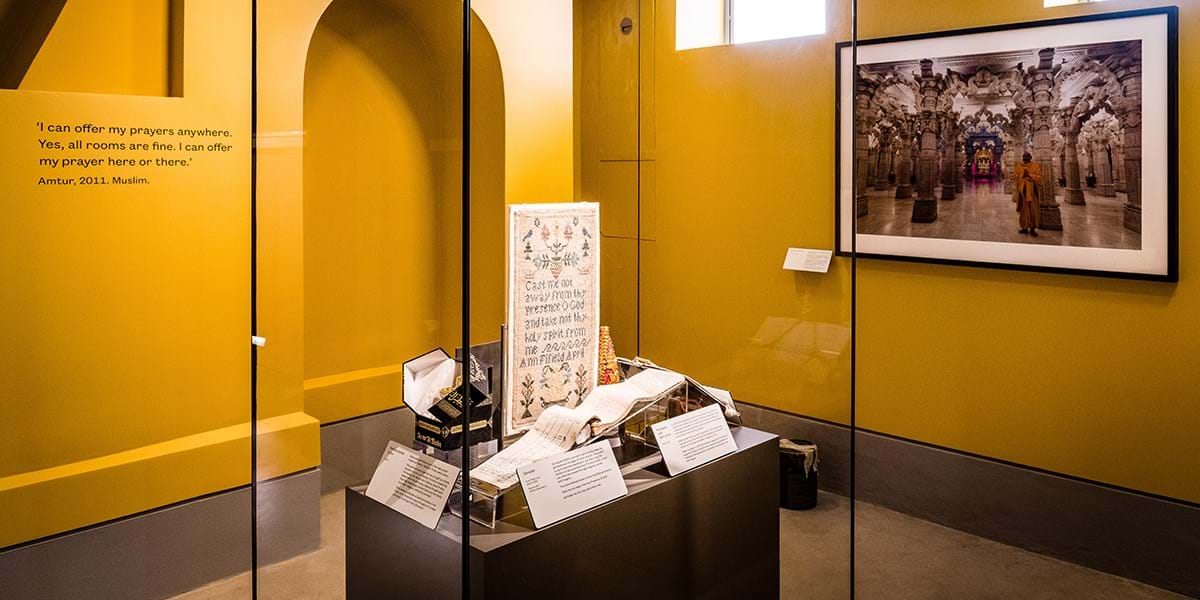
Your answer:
<point x="253" y="298"/>
<point x="466" y="301"/>
<point x="853" y="287"/>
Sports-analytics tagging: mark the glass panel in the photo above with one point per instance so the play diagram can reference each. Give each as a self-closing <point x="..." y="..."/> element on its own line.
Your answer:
<point x="1024" y="429"/>
<point x="736" y="140"/>
<point x="360" y="145"/>
<point x="125" y="228"/>
<point x="690" y="158"/>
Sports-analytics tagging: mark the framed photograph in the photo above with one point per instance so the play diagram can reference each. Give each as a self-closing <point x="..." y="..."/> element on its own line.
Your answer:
<point x="1044" y="146"/>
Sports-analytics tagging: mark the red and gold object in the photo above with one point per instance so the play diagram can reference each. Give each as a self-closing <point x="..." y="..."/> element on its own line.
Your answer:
<point x="608" y="370"/>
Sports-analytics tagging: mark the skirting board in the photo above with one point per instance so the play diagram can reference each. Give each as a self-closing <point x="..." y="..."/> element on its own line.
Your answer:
<point x="832" y="440"/>
<point x="1138" y="536"/>
<point x="164" y="473"/>
<point x="168" y="551"/>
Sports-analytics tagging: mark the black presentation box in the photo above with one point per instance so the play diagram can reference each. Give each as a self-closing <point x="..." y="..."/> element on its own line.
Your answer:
<point x="449" y="436"/>
<point x="450" y="407"/>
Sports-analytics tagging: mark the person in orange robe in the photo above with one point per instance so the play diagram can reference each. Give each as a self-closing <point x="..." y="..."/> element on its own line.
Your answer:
<point x="1027" y="193"/>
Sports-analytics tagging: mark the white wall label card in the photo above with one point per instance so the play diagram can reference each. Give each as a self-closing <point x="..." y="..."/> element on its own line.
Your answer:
<point x="568" y="484"/>
<point x="808" y="259"/>
<point x="694" y="438"/>
<point x="413" y="484"/>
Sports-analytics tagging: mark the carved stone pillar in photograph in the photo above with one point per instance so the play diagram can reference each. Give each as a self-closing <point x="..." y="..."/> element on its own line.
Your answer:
<point x="915" y="142"/>
<point x="1131" y="122"/>
<point x="960" y="166"/>
<point x="1060" y="162"/>
<point x="925" y="208"/>
<point x="1104" y="174"/>
<point x="891" y="168"/>
<point x="904" y="165"/>
<point x="951" y="173"/>
<point x="1014" y="146"/>
<point x="1128" y="70"/>
<point x="883" y="163"/>
<point x="864" y="120"/>
<point x="1041" y="84"/>
<point x="1006" y="163"/>
<point x="1074" y="192"/>
<point x="1089" y="165"/>
<point x="872" y="165"/>
<point x="1118" y="168"/>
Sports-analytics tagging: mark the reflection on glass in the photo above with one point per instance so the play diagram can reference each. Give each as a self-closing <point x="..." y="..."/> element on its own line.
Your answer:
<point x="124" y="316"/>
<point x="976" y="476"/>
<point x="359" y="253"/>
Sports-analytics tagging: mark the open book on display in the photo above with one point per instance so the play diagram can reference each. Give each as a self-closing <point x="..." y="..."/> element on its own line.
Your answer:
<point x="559" y="429"/>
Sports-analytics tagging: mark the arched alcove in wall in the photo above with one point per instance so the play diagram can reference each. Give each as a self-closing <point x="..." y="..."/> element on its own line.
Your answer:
<point x="382" y="197"/>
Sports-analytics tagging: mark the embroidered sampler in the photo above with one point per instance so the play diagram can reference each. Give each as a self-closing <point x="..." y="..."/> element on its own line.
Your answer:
<point x="552" y="342"/>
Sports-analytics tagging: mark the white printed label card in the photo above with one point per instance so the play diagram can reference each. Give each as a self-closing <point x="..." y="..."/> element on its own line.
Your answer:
<point x="413" y="484"/>
<point x="693" y="439"/>
<point x="567" y="484"/>
<point x="808" y="259"/>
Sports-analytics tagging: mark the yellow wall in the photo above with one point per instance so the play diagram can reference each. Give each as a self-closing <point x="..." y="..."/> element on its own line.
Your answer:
<point x="372" y="258"/>
<point x="535" y="40"/>
<point x="126" y="49"/>
<point x="345" y="288"/>
<point x="126" y="307"/>
<point x="139" y="388"/>
<point x="382" y="218"/>
<point x="342" y="368"/>
<point x="745" y="159"/>
<point x="284" y="30"/>
<point x="616" y="166"/>
<point x="744" y="163"/>
<point x="345" y="285"/>
<point x="131" y="387"/>
<point x="1115" y="396"/>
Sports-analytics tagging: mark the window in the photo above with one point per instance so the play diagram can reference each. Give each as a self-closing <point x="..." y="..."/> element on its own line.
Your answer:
<point x="702" y="23"/>
<point x="761" y="20"/>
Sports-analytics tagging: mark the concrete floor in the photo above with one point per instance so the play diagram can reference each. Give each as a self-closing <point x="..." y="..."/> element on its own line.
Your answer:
<point x="899" y="558"/>
<point x="903" y="558"/>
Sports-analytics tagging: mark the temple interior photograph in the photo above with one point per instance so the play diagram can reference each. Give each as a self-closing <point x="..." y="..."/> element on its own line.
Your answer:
<point x="985" y="131"/>
<point x="574" y="299"/>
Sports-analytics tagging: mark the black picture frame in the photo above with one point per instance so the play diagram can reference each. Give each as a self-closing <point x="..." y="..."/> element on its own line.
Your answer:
<point x="1167" y="271"/>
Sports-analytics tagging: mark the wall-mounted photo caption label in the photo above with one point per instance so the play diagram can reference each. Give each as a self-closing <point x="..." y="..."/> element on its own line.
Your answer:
<point x="693" y="439"/>
<point x="565" y="485"/>
<point x="413" y="484"/>
<point x="808" y="259"/>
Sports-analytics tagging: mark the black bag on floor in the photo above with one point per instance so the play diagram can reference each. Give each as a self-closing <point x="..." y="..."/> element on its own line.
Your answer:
<point x="797" y="474"/>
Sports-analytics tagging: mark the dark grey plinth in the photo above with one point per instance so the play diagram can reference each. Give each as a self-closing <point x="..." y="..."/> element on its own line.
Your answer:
<point x="712" y="532"/>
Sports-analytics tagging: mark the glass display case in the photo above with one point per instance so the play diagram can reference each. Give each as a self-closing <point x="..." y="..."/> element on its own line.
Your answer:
<point x="581" y="298"/>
